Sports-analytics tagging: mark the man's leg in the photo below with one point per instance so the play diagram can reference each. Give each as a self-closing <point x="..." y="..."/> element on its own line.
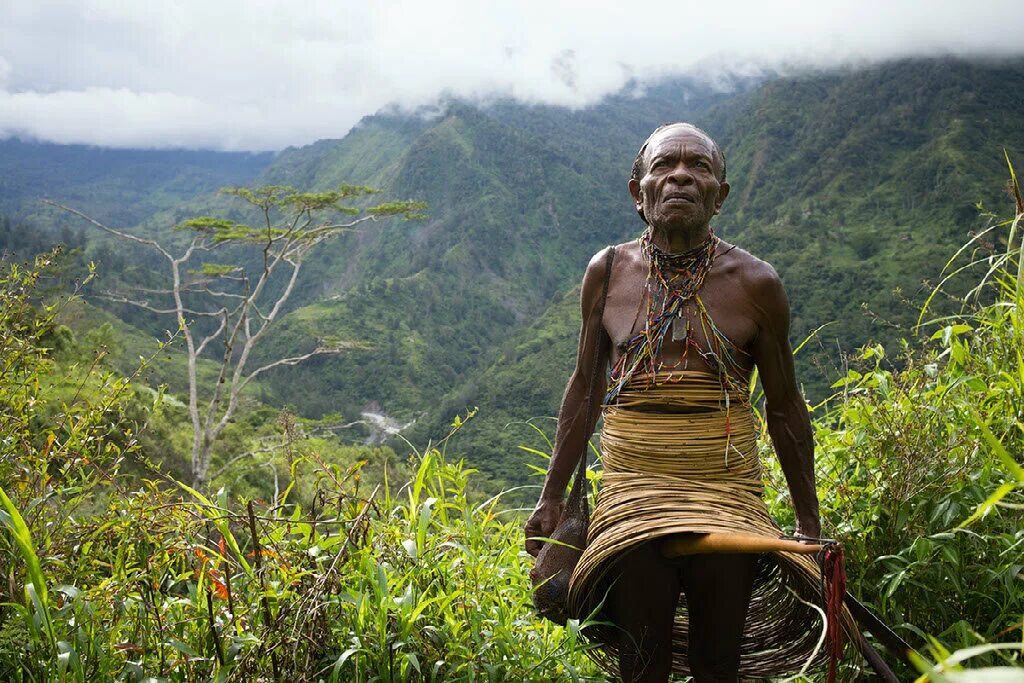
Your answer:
<point x="718" y="589"/>
<point x="642" y="603"/>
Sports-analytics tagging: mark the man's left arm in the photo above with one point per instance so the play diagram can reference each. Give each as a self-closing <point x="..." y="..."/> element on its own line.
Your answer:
<point x="785" y="410"/>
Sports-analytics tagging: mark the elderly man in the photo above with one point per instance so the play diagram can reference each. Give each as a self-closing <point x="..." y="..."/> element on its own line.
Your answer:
<point x="686" y="319"/>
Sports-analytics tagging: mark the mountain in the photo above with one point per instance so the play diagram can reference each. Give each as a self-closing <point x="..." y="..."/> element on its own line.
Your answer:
<point x="118" y="186"/>
<point x="857" y="185"/>
<point x="512" y="219"/>
<point x="505" y="233"/>
<point x="878" y="174"/>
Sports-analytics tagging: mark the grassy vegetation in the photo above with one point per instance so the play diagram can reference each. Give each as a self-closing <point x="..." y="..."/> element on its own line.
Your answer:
<point x="329" y="576"/>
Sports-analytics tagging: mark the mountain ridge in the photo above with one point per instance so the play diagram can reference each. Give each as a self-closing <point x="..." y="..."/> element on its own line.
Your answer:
<point x="856" y="185"/>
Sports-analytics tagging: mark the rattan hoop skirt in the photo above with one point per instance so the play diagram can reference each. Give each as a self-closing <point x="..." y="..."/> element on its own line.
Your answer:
<point x="679" y="458"/>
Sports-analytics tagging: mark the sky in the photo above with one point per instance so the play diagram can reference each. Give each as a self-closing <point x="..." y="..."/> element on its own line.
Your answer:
<point x="263" y="75"/>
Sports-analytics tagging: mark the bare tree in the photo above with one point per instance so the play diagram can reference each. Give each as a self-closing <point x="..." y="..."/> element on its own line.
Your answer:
<point x="221" y="305"/>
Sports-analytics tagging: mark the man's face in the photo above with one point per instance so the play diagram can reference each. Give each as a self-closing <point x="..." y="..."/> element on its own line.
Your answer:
<point x="680" y="189"/>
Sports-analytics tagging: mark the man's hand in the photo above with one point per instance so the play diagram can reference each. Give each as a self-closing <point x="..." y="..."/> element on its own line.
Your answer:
<point x="542" y="522"/>
<point x="808" y="528"/>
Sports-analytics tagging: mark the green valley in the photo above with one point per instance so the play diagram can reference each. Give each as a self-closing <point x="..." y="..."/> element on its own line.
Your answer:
<point x="855" y="184"/>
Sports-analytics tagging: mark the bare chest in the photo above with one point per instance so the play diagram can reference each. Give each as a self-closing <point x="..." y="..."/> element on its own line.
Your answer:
<point x="724" y="300"/>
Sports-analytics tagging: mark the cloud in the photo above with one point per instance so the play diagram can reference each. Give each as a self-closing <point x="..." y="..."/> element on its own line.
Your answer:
<point x="236" y="74"/>
<point x="5" y="71"/>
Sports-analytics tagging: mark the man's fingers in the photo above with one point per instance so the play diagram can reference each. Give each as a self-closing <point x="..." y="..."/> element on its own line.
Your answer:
<point x="533" y="546"/>
<point x="805" y="538"/>
<point x="534" y="527"/>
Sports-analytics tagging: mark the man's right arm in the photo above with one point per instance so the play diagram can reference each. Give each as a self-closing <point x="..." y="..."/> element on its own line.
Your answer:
<point x="574" y="425"/>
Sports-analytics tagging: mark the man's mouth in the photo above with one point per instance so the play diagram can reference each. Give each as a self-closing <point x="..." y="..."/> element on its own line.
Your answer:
<point x="679" y="198"/>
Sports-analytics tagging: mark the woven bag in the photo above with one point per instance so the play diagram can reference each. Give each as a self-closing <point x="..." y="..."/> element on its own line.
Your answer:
<point x="557" y="560"/>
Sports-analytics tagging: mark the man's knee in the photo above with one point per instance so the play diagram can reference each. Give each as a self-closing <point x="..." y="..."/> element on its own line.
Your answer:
<point x="713" y="655"/>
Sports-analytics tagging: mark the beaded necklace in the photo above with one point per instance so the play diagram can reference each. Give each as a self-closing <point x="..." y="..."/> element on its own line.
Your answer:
<point x="673" y="281"/>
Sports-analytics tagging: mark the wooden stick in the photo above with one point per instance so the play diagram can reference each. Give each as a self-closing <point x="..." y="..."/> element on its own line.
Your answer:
<point x="697" y="544"/>
<point x="876" y="662"/>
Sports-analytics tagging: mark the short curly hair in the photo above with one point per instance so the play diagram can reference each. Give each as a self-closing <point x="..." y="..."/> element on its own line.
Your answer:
<point x="638" y="163"/>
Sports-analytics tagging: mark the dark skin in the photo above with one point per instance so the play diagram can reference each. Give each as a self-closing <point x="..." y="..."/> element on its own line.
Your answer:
<point x="678" y="194"/>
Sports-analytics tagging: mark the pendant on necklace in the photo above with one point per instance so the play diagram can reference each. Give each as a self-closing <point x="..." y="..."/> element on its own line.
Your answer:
<point x="680" y="328"/>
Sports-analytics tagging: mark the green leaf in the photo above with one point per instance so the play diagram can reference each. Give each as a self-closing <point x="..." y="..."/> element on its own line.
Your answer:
<point x="1015" y="470"/>
<point x="546" y="539"/>
<point x="340" y="662"/>
<point x="996" y="496"/>
<point x="966" y="653"/>
<point x="183" y="648"/>
<point x="36" y="591"/>
<point x="221" y="524"/>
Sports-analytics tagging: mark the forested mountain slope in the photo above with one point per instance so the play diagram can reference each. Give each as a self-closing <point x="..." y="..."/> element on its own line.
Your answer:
<point x="120" y="186"/>
<point x="857" y="187"/>
<point x="854" y="184"/>
<point x="509" y="220"/>
<point x="519" y="198"/>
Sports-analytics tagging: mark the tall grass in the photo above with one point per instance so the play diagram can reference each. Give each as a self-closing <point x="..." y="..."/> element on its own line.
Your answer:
<point x="414" y="583"/>
<point x="919" y="465"/>
<point x="108" y="576"/>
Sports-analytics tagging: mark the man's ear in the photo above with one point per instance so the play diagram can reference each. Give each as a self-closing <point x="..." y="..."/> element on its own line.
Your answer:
<point x="634" y="189"/>
<point x="723" y="192"/>
<point x="638" y="202"/>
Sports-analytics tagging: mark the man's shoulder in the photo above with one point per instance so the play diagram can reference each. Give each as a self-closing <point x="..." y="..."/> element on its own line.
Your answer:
<point x="621" y="249"/>
<point x="755" y="274"/>
<point x="598" y="262"/>
<point x="761" y="285"/>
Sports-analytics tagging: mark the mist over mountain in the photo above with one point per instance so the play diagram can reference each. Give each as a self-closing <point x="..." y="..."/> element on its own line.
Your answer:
<point x="856" y="184"/>
<point x="136" y="76"/>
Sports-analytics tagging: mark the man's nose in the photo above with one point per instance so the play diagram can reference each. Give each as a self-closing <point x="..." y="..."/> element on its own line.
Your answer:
<point x="681" y="174"/>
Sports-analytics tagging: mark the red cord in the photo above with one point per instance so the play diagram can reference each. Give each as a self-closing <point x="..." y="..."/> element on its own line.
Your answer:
<point x="835" y="590"/>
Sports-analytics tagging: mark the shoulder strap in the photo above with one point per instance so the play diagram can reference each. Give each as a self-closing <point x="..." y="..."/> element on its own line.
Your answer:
<point x="581" y="470"/>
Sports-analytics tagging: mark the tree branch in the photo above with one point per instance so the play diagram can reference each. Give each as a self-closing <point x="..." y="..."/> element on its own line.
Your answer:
<point x="217" y="292"/>
<point x="295" y="360"/>
<point x="101" y="226"/>
<point x="121" y="299"/>
<point x="248" y="454"/>
<point x="216" y="333"/>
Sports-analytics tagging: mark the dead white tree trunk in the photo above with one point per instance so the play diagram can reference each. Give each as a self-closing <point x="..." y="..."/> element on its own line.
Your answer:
<point x="293" y="224"/>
